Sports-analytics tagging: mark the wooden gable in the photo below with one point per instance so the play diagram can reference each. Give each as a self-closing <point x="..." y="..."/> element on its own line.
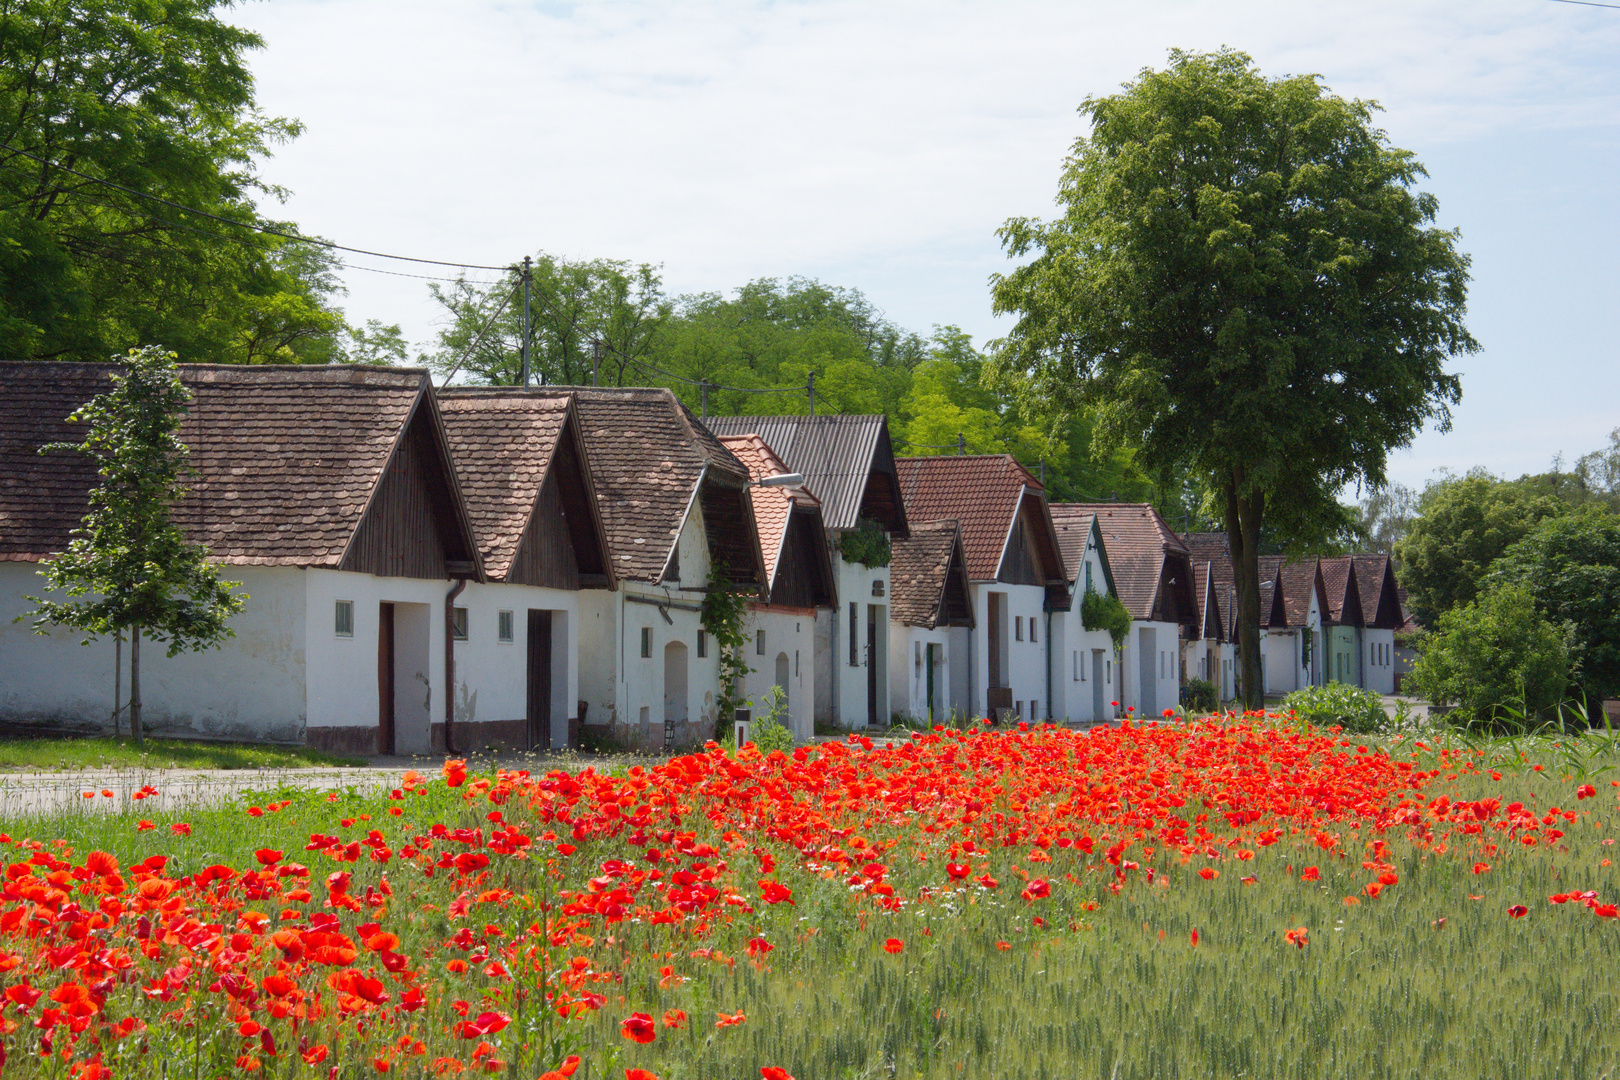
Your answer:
<point x="1031" y="555"/>
<point x="804" y="567"/>
<point x="1174" y="602"/>
<point x="415" y="525"/>
<point x="563" y="546"/>
<point x="880" y="500"/>
<point x="728" y="522"/>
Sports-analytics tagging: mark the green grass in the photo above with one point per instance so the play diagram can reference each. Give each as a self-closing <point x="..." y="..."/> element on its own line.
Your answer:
<point x="73" y="754"/>
<point x="1432" y="980"/>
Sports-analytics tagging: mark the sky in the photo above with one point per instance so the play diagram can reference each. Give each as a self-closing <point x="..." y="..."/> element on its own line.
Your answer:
<point x="878" y="145"/>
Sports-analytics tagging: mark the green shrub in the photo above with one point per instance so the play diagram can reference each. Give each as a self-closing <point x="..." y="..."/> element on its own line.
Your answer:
<point x="769" y="732"/>
<point x="1103" y="611"/>
<point x="1339" y="705"/>
<point x="1199" y="694"/>
<point x="866" y="544"/>
<point x="1497" y="661"/>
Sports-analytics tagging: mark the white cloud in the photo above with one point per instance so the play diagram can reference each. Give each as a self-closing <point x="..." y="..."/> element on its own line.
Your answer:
<point x="873" y="144"/>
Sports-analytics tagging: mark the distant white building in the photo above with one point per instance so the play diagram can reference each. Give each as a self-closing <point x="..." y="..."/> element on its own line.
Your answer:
<point x="929" y="602"/>
<point x="1085" y="666"/>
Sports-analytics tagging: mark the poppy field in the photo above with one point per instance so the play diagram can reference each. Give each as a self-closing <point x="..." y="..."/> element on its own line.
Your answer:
<point x="1231" y="897"/>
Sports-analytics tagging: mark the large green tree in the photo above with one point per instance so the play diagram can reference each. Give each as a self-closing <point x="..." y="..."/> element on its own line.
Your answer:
<point x="1243" y="284"/>
<point x="154" y="97"/>
<point x="1570" y="565"/>
<point x="1463" y="525"/>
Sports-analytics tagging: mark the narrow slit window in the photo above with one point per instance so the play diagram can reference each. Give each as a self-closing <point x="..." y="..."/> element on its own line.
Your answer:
<point x="343" y="620"/>
<point x="503" y="626"/>
<point x="1018" y="628"/>
<point x="646" y="642"/>
<point x="1033" y="636"/>
<point x="759" y="643"/>
<point x="854" y="635"/>
<point x="703" y="644"/>
<point x="458" y="623"/>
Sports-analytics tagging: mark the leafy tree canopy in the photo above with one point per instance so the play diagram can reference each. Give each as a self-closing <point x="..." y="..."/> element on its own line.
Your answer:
<point x="1570" y="565"/>
<point x="1463" y="524"/>
<point x="1242" y="285"/>
<point x="155" y="97"/>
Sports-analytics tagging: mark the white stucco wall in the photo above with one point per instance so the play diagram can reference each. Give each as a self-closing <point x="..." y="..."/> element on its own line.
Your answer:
<point x="1281" y="650"/>
<point x="908" y="671"/>
<point x="1163" y="664"/>
<point x="1024" y="669"/>
<point x="841" y="688"/>
<point x="492" y="675"/>
<point x="1378" y="660"/>
<point x="789" y="637"/>
<point x="1075" y="651"/>
<point x="628" y="690"/>
<point x="252" y="687"/>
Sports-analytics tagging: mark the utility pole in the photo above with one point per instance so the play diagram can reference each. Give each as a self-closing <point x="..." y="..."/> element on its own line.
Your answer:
<point x="596" y="361"/>
<point x="812" y="389"/>
<point x="527" y="263"/>
<point x="1043" y="471"/>
<point x="703" y="388"/>
<point x="961" y="444"/>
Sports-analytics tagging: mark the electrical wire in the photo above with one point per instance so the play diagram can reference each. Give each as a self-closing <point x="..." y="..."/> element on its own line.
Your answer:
<point x="242" y="224"/>
<point x="479" y="340"/>
<point x="1589" y="3"/>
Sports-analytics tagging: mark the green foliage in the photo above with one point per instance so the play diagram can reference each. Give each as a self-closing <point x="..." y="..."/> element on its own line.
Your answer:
<point x="157" y="98"/>
<point x="722" y="619"/>
<point x="1571" y="568"/>
<point x="768" y="731"/>
<point x="63" y="754"/>
<point x="1242" y="286"/>
<point x="1497" y="659"/>
<point x="572" y="303"/>
<point x="128" y="566"/>
<point x="1104" y="611"/>
<point x="1463" y="524"/>
<point x="1200" y="695"/>
<point x="1339" y="705"/>
<point x="866" y="544"/>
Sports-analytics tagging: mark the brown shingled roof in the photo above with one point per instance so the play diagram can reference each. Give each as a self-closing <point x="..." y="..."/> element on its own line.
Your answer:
<point x="1380" y="595"/>
<point x="1344" y="599"/>
<point x="1298" y="580"/>
<point x="985" y="493"/>
<point x="506" y="442"/>
<point x="773" y="506"/>
<point x="1143" y="551"/>
<point x="648" y="454"/>
<point x="928" y="577"/>
<point x="287" y="458"/>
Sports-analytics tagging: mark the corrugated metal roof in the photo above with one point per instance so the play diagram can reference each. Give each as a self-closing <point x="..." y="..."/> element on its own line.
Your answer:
<point x="836" y="455"/>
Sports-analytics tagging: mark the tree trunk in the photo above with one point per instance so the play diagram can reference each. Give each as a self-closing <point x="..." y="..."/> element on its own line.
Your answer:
<point x="118" y="682"/>
<point x="135" y="685"/>
<point x="1243" y="517"/>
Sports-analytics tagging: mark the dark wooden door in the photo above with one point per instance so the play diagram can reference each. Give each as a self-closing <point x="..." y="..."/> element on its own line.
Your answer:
<point x="539" y="672"/>
<point x="385" y="679"/>
<point x="928" y="661"/>
<point x="871" y="665"/>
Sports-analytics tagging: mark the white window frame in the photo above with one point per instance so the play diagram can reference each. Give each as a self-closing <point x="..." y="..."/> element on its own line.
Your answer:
<point x="459" y="628"/>
<point x="505" y="626"/>
<point x="340" y="609"/>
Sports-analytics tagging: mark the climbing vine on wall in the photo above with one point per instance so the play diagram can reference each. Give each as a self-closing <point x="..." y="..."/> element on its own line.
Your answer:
<point x="722" y="619"/>
<point x="866" y="544"/>
<point x="1103" y="611"/>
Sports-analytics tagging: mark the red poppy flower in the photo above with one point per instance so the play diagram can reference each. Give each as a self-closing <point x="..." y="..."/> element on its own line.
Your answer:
<point x="775" y="893"/>
<point x="486" y="1023"/>
<point x="774" y="1072"/>
<point x="1585" y="791"/>
<point x="1299" y="938"/>
<point x="635" y="1074"/>
<point x="956" y="871"/>
<point x="1310" y="873"/>
<point x="894" y="945"/>
<point x="1518" y="911"/>
<point x="455" y="772"/>
<point x="267" y="856"/>
<point x="675" y="1019"/>
<point x="1036" y="890"/>
<point x="639" y="1028"/>
<point x="1209" y="873"/>
<point x="729" y="1021"/>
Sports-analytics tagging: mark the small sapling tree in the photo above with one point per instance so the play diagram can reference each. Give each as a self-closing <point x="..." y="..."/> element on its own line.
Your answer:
<point x="128" y="567"/>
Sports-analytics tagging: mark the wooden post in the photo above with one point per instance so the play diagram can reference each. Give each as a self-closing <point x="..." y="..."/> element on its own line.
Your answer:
<point x="135" y="686"/>
<point x="118" y="678"/>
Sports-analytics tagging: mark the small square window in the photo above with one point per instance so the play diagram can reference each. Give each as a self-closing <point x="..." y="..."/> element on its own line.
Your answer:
<point x="703" y="644"/>
<point x="458" y="623"/>
<point x="343" y="624"/>
<point x="759" y="643"/>
<point x="646" y="642"/>
<point x="503" y="626"/>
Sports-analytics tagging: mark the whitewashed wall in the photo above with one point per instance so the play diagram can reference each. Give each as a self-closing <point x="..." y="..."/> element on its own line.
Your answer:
<point x="841" y="688"/>
<point x="1281" y="650"/>
<point x="1025" y="667"/>
<point x="1378" y="660"/>
<point x="908" y="671"/>
<point x="1164" y="670"/>
<point x="790" y="640"/>
<point x="492" y="675"/>
<point x="252" y="687"/>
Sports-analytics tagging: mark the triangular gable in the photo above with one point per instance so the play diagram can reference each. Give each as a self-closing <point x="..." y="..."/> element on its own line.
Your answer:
<point x="928" y="580"/>
<point x="416" y="523"/>
<point x="1379" y="592"/>
<point x="791" y="532"/>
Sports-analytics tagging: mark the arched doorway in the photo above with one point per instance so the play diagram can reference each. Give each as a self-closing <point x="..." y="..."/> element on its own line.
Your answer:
<point x="675" y="695"/>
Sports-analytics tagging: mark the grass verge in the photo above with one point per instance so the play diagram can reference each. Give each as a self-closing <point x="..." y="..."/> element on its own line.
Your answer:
<point x="81" y="753"/>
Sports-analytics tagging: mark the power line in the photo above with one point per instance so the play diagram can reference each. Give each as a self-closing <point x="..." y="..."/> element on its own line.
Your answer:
<point x="479" y="340"/>
<point x="242" y="224"/>
<point x="1589" y="3"/>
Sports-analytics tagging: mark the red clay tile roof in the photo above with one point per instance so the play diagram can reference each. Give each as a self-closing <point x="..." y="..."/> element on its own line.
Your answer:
<point x="1072" y="532"/>
<point x="772" y="505"/>
<point x="928" y="579"/>
<point x="983" y="492"/>
<point x="1298" y="580"/>
<point x="647" y="454"/>
<point x="1344" y="598"/>
<point x="1138" y="543"/>
<point x="1380" y="595"/>
<point x="287" y="457"/>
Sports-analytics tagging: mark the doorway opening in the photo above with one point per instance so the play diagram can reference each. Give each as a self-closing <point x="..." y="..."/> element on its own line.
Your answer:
<point x="538" y="710"/>
<point x="385" y="679"/>
<point x="1147" y="680"/>
<point x="675" y="693"/>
